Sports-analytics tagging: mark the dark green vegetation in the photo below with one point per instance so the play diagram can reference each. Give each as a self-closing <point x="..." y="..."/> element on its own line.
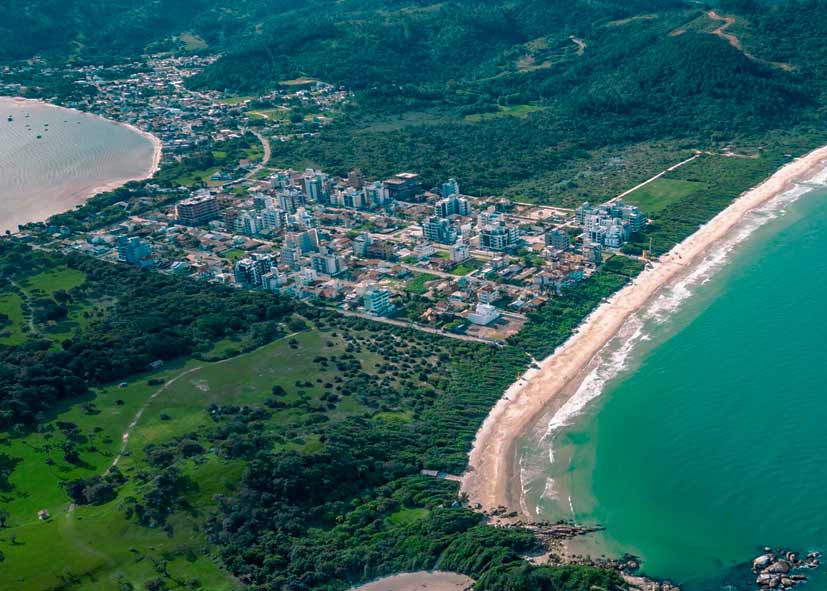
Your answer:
<point x="90" y="324"/>
<point x="526" y="114"/>
<point x="559" y="101"/>
<point x="296" y="464"/>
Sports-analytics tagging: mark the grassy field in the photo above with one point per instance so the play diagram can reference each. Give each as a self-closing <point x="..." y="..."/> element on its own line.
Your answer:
<point x="96" y="547"/>
<point x="270" y="114"/>
<point x="11" y="306"/>
<point x="236" y="100"/>
<point x="505" y="111"/>
<point x="41" y="286"/>
<point x="192" y="42"/>
<point x="234" y="254"/>
<point x="661" y="193"/>
<point x="417" y="284"/>
<point x="465" y="267"/>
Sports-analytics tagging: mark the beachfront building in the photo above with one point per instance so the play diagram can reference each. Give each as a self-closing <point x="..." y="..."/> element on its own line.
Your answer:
<point x="610" y="224"/>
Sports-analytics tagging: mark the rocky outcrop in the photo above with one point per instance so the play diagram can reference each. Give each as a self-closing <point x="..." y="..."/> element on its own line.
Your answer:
<point x="775" y="568"/>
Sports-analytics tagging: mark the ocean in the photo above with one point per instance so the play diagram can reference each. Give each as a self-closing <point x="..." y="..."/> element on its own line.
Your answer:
<point x="700" y="437"/>
<point x="52" y="159"/>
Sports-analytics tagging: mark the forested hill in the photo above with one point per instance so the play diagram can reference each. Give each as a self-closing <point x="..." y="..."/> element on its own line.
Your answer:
<point x="98" y="30"/>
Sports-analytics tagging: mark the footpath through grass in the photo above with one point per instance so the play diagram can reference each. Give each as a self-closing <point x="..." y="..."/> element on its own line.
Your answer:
<point x="96" y="547"/>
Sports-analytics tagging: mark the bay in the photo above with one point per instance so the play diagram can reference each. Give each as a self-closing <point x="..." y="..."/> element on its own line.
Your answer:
<point x="52" y="159"/>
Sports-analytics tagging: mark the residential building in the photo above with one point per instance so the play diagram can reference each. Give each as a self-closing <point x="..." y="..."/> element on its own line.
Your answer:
<point x="484" y="314"/>
<point x="460" y="252"/>
<point x="452" y="205"/>
<point x="356" y="178"/>
<point x="134" y="251"/>
<point x="307" y="241"/>
<point x="377" y="301"/>
<point x="439" y="230"/>
<point x="290" y="199"/>
<point x="451" y="187"/>
<point x="376" y="193"/>
<point x="557" y="239"/>
<point x="315" y="185"/>
<point x="198" y="209"/>
<point x="328" y="263"/>
<point x="499" y="236"/>
<point x="405" y="186"/>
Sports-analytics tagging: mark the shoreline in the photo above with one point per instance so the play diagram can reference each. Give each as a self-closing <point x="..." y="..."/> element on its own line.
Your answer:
<point x="85" y="194"/>
<point x="492" y="481"/>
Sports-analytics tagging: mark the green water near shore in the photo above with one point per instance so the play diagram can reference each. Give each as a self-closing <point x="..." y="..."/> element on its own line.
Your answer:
<point x="712" y="441"/>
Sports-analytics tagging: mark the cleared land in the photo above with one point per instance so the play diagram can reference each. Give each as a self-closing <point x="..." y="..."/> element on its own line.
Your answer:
<point x="661" y="193"/>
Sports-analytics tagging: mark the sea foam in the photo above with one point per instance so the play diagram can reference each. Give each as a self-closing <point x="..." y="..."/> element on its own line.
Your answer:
<point x="616" y="355"/>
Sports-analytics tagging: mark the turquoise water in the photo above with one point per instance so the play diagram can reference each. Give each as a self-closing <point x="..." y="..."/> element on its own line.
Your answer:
<point x="712" y="440"/>
<point x="52" y="159"/>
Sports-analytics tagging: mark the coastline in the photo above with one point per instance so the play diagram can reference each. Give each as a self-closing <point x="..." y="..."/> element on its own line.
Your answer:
<point x="492" y="481"/>
<point x="85" y="194"/>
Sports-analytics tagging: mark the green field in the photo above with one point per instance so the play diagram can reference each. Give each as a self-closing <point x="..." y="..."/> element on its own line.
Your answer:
<point x="236" y="100"/>
<point x="417" y="284"/>
<point x="270" y="114"/>
<point x="465" y="267"/>
<point x="192" y="42"/>
<point x="505" y="111"/>
<point x="11" y="306"/>
<point x="661" y="193"/>
<point x="96" y="547"/>
<point x="42" y="286"/>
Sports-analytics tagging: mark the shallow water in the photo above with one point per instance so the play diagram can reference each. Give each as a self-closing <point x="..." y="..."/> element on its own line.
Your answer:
<point x="74" y="154"/>
<point x="701" y="436"/>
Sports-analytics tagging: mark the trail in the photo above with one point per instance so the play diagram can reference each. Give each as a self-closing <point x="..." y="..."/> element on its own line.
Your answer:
<point x="137" y="417"/>
<point x="66" y="526"/>
<point x="158" y="392"/>
<point x="264" y="159"/>
<point x="734" y="41"/>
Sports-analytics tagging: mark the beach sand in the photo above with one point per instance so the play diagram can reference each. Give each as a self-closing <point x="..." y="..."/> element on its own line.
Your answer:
<point x="81" y="194"/>
<point x="492" y="479"/>
<point x="420" y="581"/>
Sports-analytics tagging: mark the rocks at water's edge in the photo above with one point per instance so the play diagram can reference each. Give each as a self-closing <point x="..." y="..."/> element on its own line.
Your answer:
<point x="774" y="568"/>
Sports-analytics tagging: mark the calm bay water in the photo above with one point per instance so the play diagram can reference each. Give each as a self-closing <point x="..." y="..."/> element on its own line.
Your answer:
<point x="711" y="441"/>
<point x="75" y="154"/>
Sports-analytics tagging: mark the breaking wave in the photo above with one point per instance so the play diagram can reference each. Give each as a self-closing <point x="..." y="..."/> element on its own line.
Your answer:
<point x="618" y="352"/>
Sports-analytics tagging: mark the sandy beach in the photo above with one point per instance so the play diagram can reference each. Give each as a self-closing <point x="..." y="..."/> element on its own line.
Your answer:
<point x="420" y="581"/>
<point x="492" y="479"/>
<point x="81" y="193"/>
